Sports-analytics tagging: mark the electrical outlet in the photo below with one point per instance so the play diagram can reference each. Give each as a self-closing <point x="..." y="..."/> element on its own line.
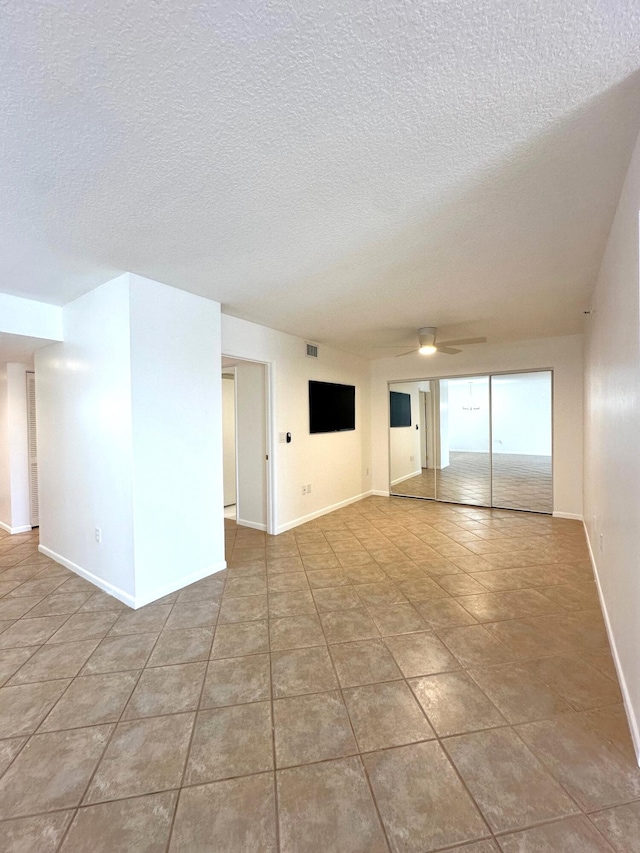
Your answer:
<point x="308" y="488"/>
<point x="98" y="535"/>
<point x="304" y="490"/>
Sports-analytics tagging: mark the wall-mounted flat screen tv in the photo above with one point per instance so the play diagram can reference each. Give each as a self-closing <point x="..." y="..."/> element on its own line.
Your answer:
<point x="332" y="407"/>
<point x="400" y="409"/>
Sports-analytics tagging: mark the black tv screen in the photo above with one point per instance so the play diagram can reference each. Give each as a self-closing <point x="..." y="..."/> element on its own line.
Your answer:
<point x="400" y="409"/>
<point x="332" y="407"/>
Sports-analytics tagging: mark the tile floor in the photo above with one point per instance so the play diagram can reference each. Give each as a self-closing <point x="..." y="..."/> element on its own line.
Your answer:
<point x="398" y="675"/>
<point x="519" y="481"/>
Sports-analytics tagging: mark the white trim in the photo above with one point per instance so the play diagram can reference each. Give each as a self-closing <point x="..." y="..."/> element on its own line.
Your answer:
<point x="571" y="515"/>
<point x="303" y="519"/>
<point x="255" y="525"/>
<point x="634" y="726"/>
<point x="406" y="477"/>
<point x="180" y="584"/>
<point x="24" y="529"/>
<point x="120" y="594"/>
<point x="380" y="493"/>
<point x="115" y="591"/>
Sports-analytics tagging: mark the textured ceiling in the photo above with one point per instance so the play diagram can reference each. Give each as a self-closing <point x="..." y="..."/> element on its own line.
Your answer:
<point x="345" y="171"/>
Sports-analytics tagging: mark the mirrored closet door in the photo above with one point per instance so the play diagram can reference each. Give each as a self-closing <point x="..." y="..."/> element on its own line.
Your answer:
<point x="478" y="440"/>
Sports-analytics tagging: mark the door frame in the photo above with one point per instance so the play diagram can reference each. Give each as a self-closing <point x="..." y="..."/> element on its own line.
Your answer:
<point x="270" y="428"/>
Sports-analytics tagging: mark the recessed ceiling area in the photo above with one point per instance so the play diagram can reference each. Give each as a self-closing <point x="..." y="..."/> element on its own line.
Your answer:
<point x="20" y="349"/>
<point x="346" y="172"/>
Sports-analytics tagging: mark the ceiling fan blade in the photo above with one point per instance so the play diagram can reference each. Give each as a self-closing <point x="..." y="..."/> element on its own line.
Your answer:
<point x="448" y="350"/>
<point x="462" y="341"/>
<point x="408" y="352"/>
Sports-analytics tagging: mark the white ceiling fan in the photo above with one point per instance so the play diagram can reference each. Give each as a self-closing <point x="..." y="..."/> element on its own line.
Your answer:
<point x="428" y="345"/>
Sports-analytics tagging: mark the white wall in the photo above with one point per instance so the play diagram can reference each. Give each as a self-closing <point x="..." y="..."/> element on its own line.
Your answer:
<point x="228" y="439"/>
<point x="612" y="440"/>
<point x="468" y="429"/>
<point x="5" y="464"/>
<point x="30" y="318"/>
<point x="251" y="446"/>
<point x="334" y="463"/>
<point x="563" y="355"/>
<point x="177" y="438"/>
<point x="129" y="439"/>
<point x="85" y="441"/>
<point x="404" y="442"/>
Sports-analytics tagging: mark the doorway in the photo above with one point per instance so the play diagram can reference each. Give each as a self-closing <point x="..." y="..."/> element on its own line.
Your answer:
<point x="246" y="409"/>
<point x="486" y="440"/>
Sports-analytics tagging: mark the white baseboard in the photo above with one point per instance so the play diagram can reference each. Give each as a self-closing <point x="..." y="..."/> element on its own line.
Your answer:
<point x="303" y="519"/>
<point x="407" y="477"/>
<point x="634" y="727"/>
<point x="380" y="493"/>
<point x="25" y="529"/>
<point x="254" y="525"/>
<point x="109" y="588"/>
<point x="132" y="601"/>
<point x="574" y="516"/>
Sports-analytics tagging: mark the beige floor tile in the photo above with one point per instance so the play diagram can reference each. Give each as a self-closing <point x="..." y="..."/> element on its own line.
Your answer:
<point x="52" y="771"/>
<point x="230" y="741"/>
<point x="295" y="632"/>
<point x="460" y="584"/>
<point x="245" y="609"/>
<point x="385" y="715"/>
<point x="143" y="757"/>
<point x="82" y="626"/>
<point x="9" y="748"/>
<point x="40" y="834"/>
<point x="234" y="681"/>
<point x="380" y="593"/>
<point x="525" y="640"/>
<point x="192" y="614"/>
<point x="620" y="826"/>
<point x="518" y="697"/>
<point x="454" y="704"/>
<point x="407" y="778"/>
<point x="243" y="638"/>
<point x="91" y="700"/>
<point x="252" y="585"/>
<point x="141" y="825"/>
<point x="593" y="771"/>
<point x="293" y="603"/>
<point x="512" y="788"/>
<point x="215" y="816"/>
<point x="476" y="847"/>
<point x="29" y="632"/>
<point x="288" y="582"/>
<point x="326" y="807"/>
<point x="340" y="626"/>
<point x="116" y="654"/>
<point x="420" y="654"/>
<point x="22" y="708"/>
<point x="578" y="683"/>
<point x="64" y="660"/>
<point x="166" y="690"/>
<point x="311" y="728"/>
<point x="363" y="662"/>
<point x="612" y="722"/>
<point x="299" y="671"/>
<point x="328" y="599"/>
<point x="101" y="600"/>
<point x="572" y="835"/>
<point x="11" y="660"/>
<point x="365" y="574"/>
<point x="393" y="619"/>
<point x="326" y="577"/>
<point x="444" y="613"/>
<point x="187" y="645"/>
<point x="473" y="645"/>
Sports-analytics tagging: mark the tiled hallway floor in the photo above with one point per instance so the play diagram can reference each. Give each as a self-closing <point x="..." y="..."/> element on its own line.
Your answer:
<point x="396" y="675"/>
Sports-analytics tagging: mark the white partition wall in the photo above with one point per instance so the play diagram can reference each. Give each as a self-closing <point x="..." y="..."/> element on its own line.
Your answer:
<point x="129" y="435"/>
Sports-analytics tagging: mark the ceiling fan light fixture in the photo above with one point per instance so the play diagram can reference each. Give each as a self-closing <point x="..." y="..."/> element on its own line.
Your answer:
<point x="427" y="350"/>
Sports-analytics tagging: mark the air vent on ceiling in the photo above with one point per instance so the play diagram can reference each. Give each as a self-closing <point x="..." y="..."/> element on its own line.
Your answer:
<point x="312" y="350"/>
